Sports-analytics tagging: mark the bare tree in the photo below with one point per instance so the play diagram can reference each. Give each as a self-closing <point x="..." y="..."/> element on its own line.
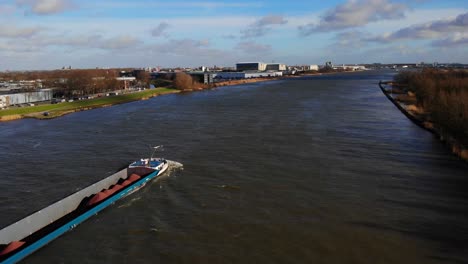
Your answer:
<point x="183" y="81"/>
<point x="143" y="78"/>
<point x="79" y="81"/>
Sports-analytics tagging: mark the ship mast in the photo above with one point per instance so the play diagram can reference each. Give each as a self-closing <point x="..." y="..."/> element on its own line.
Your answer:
<point x="154" y="150"/>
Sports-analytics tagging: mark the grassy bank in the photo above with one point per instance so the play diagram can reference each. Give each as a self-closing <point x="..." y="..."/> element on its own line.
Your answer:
<point x="55" y="110"/>
<point x="442" y="95"/>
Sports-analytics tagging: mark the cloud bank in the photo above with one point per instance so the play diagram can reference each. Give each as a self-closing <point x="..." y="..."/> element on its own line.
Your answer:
<point x="262" y="26"/>
<point x="160" y="30"/>
<point x="435" y="29"/>
<point x="45" y="7"/>
<point x="355" y="13"/>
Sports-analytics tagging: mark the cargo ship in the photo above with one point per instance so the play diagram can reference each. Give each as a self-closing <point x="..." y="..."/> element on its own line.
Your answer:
<point x="29" y="234"/>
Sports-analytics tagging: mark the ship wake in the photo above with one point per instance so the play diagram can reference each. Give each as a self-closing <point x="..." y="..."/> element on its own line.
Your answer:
<point x="174" y="166"/>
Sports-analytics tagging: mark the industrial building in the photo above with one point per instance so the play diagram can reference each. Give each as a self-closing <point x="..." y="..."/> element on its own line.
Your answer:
<point x="275" y="67"/>
<point x="202" y="77"/>
<point x="250" y="66"/>
<point x="302" y="68"/>
<point x="130" y="79"/>
<point x="7" y="100"/>
<point x="311" y="67"/>
<point x="246" y="75"/>
<point x="349" y="67"/>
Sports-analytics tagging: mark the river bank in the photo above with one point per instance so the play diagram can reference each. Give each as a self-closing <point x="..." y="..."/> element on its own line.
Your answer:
<point x="406" y="102"/>
<point x="269" y="168"/>
<point x="262" y="79"/>
<point x="49" y="111"/>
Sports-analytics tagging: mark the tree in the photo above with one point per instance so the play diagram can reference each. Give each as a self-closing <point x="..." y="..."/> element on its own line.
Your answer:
<point x="183" y="81"/>
<point x="143" y="78"/>
<point x="79" y="82"/>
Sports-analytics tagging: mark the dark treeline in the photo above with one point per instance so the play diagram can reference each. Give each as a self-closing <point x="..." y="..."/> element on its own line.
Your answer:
<point x="69" y="83"/>
<point x="444" y="95"/>
<point x="83" y="82"/>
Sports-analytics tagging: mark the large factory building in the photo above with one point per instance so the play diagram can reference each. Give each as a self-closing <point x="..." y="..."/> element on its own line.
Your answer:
<point x="250" y="66"/>
<point x="7" y="100"/>
<point x="246" y="75"/>
<point x="275" y="67"/>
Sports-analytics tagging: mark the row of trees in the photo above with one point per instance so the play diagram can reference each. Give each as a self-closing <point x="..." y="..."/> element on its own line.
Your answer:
<point x="444" y="94"/>
<point x="179" y="80"/>
<point x="69" y="83"/>
<point x="83" y="82"/>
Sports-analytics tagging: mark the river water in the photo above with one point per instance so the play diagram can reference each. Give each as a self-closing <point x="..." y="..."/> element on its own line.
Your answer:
<point x="320" y="169"/>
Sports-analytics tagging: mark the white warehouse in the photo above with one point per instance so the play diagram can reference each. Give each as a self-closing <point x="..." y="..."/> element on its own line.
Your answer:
<point x="246" y="75"/>
<point x="24" y="98"/>
<point x="313" y="67"/>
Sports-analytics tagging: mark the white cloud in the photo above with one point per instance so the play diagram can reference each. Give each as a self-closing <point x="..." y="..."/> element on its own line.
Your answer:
<point x="430" y="30"/>
<point x="7" y="9"/>
<point x="82" y="42"/>
<point x="253" y="47"/>
<point x="262" y="26"/>
<point x="271" y="20"/>
<point x="12" y="47"/>
<point x="97" y="37"/>
<point x="458" y="39"/>
<point x="355" y="13"/>
<point x="45" y="7"/>
<point x="190" y="48"/>
<point x="12" y="31"/>
<point x="118" y="42"/>
<point x="350" y="40"/>
<point x="181" y="46"/>
<point x="160" y="29"/>
<point x="175" y="4"/>
<point x="229" y="36"/>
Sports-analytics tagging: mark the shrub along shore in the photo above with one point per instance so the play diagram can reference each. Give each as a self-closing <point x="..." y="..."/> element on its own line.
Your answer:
<point x="437" y="99"/>
<point x="48" y="111"/>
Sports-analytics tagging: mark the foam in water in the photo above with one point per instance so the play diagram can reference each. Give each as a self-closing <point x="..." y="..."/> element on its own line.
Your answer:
<point x="174" y="165"/>
<point x="129" y="203"/>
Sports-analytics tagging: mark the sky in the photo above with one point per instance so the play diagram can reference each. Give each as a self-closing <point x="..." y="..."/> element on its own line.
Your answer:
<point x="51" y="34"/>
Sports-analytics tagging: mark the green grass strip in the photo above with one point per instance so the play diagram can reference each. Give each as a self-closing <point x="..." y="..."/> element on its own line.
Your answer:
<point x="92" y="103"/>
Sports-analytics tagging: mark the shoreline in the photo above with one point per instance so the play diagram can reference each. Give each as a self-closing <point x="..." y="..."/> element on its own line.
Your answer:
<point x="61" y="109"/>
<point x="265" y="79"/>
<point x="421" y="118"/>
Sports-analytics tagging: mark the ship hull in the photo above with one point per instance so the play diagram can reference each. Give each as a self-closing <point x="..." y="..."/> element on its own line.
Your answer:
<point x="69" y="225"/>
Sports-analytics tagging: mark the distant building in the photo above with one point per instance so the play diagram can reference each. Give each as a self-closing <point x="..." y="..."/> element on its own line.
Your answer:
<point x="302" y="68"/>
<point x="24" y="98"/>
<point x="246" y="75"/>
<point x="250" y="66"/>
<point x="275" y="67"/>
<point x="202" y="76"/>
<point x="349" y="67"/>
<point x="126" y="79"/>
<point x="313" y="67"/>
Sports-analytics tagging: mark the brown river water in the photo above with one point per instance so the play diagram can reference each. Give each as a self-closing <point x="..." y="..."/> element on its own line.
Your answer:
<point x="319" y="169"/>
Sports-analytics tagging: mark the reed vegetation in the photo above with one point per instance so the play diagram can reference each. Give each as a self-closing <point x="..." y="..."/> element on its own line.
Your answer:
<point x="444" y="95"/>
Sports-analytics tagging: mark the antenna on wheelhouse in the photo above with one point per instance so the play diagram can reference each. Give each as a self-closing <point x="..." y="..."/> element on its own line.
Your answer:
<point x="154" y="150"/>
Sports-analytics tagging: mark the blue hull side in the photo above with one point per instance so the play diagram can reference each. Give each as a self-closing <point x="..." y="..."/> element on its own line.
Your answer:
<point x="72" y="224"/>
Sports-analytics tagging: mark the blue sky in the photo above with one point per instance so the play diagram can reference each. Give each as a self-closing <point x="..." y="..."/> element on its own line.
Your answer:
<point x="50" y="34"/>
